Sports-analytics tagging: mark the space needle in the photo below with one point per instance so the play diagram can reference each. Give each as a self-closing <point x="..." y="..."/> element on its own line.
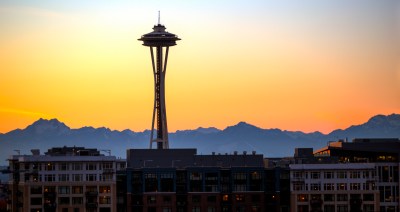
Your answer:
<point x="160" y="40"/>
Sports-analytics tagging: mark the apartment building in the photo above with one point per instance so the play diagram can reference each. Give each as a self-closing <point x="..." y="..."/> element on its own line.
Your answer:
<point x="362" y="175"/>
<point x="383" y="153"/>
<point x="164" y="180"/>
<point x="334" y="187"/>
<point x="66" y="179"/>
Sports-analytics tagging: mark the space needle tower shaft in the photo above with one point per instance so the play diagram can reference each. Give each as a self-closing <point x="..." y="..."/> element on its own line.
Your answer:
<point x="159" y="42"/>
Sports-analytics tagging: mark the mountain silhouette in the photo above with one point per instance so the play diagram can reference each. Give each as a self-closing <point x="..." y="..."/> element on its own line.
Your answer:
<point x="44" y="134"/>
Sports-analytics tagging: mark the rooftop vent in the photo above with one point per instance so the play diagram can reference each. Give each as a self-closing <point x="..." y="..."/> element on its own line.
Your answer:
<point x="35" y="151"/>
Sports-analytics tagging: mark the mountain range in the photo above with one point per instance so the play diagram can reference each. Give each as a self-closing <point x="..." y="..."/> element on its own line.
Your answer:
<point x="44" y="134"/>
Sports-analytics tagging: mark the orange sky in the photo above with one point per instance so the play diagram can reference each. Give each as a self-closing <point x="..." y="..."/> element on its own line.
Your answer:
<point x="297" y="66"/>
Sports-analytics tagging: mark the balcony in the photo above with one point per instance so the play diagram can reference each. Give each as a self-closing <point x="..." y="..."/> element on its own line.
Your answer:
<point x="92" y="193"/>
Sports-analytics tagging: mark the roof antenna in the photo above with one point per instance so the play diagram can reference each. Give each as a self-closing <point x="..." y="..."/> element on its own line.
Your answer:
<point x="159" y="17"/>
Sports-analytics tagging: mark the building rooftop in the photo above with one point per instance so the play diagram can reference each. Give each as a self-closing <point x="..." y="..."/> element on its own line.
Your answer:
<point x="387" y="145"/>
<point x="180" y="158"/>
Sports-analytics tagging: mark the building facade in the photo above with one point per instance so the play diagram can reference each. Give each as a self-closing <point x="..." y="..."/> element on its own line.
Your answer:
<point x="67" y="179"/>
<point x="334" y="187"/>
<point x="163" y="180"/>
<point x="362" y="175"/>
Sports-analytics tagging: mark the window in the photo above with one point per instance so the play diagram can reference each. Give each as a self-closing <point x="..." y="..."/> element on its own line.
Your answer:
<point x="106" y="177"/>
<point x="105" y="189"/>
<point x="329" y="208"/>
<point x="91" y="177"/>
<point x="211" y="181"/>
<point x="77" y="189"/>
<point x="36" y="189"/>
<point x="354" y="174"/>
<point x="77" y="166"/>
<point x="255" y="198"/>
<point x="195" y="176"/>
<point x="239" y="198"/>
<point x="49" y="189"/>
<point x="107" y="165"/>
<point x="298" y="186"/>
<point x="315" y="175"/>
<point x="225" y="198"/>
<point x="167" y="182"/>
<point x="63" y="166"/>
<point x="211" y="209"/>
<point x="302" y="197"/>
<point x="341" y="197"/>
<point x="63" y="177"/>
<point x="239" y="176"/>
<point x="329" y="186"/>
<point x="366" y="174"/>
<point x="77" y="200"/>
<point x="37" y="178"/>
<point x="369" y="186"/>
<point x="91" y="188"/>
<point x="49" y="177"/>
<point x="167" y="199"/>
<point x="77" y="177"/>
<point x="355" y="186"/>
<point x="151" y="199"/>
<point x="342" y="208"/>
<point x="167" y="209"/>
<point x="212" y="198"/>
<point x="255" y="175"/>
<point x="369" y="208"/>
<point x="328" y="175"/>
<point x="368" y="197"/>
<point x="90" y="166"/>
<point x="329" y="197"/>
<point x="150" y="182"/>
<point x="63" y="200"/>
<point x="36" y="201"/>
<point x="196" y="209"/>
<point x="196" y="198"/>
<point x="240" y="187"/>
<point x="105" y="200"/>
<point x="297" y="175"/>
<point x="63" y="189"/>
<point x="315" y="187"/>
<point x="341" y="186"/>
<point x="49" y="167"/>
<point x="341" y="175"/>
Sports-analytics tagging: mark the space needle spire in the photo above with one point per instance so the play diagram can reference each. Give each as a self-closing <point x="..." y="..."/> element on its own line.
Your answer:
<point x="159" y="42"/>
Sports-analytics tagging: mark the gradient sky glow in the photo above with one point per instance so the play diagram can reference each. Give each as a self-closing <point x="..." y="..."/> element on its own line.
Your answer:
<point x="297" y="65"/>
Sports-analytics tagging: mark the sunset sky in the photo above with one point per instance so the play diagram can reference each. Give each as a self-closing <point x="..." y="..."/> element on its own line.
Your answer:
<point x="310" y="65"/>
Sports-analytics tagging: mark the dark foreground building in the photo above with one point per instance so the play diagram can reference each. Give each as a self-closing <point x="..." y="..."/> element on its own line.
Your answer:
<point x="180" y="180"/>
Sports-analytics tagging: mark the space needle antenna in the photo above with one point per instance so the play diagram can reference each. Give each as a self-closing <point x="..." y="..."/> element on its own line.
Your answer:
<point x="159" y="17"/>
